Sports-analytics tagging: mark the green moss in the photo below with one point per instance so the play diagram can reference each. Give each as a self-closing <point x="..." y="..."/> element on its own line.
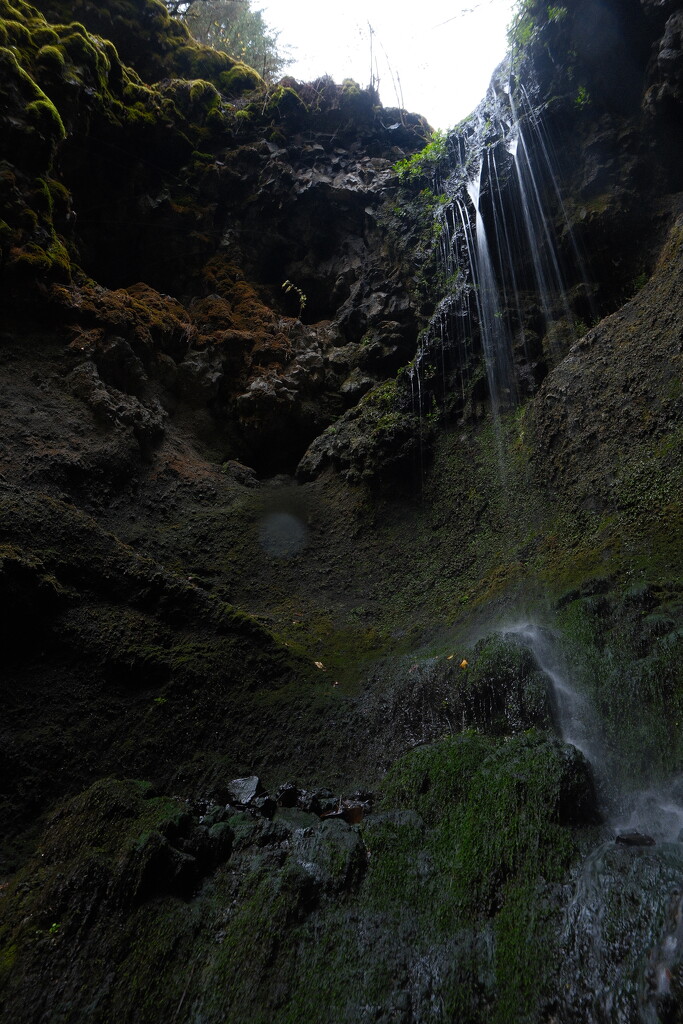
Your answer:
<point x="194" y="99"/>
<point x="239" y="79"/>
<point x="6" y="235"/>
<point x="18" y="35"/>
<point x="86" y="56"/>
<point x="13" y="12"/>
<point x="498" y="836"/>
<point x="524" y="932"/>
<point x="44" y="116"/>
<point x="77" y="28"/>
<point x="513" y="818"/>
<point x="28" y="219"/>
<point x="51" y="57"/>
<point x="433" y="778"/>
<point x="204" y="95"/>
<point x="43" y="35"/>
<point x="106" y="817"/>
<point x="253" y="936"/>
<point x="8" y="955"/>
<point x="11" y="66"/>
<point x="626" y="651"/>
<point x="33" y="260"/>
<point x="384" y="397"/>
<point x="58" y="193"/>
<point x="285" y="104"/>
<point x="497" y="811"/>
<point x="60" y="262"/>
<point x="202" y="62"/>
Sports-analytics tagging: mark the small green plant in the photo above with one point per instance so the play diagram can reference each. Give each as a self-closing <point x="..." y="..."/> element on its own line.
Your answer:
<point x="419" y="163"/>
<point x="522" y="25"/>
<point x="557" y="13"/>
<point x="582" y="98"/>
<point x="288" y="286"/>
<point x="54" y="928"/>
<point x="160" y="700"/>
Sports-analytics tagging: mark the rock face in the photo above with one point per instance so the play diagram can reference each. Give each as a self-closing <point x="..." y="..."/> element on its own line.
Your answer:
<point x="271" y="513"/>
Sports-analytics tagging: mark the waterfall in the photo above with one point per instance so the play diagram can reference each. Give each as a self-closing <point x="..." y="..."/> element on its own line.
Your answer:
<point x="622" y="935"/>
<point x="654" y="810"/>
<point x="571" y="710"/>
<point x="494" y="338"/>
<point x="505" y="275"/>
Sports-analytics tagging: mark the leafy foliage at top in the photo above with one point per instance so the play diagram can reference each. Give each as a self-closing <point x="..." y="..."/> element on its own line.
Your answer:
<point x="233" y="26"/>
<point x="528" y="16"/>
<point x="413" y="167"/>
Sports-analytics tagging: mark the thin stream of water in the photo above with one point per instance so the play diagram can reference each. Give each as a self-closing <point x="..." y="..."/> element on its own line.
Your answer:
<point x="639" y="884"/>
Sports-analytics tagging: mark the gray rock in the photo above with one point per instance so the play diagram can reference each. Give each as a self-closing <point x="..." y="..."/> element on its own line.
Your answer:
<point x="265" y="805"/>
<point x="634" y="839"/>
<point x="198" y="380"/>
<point x="243" y="791"/>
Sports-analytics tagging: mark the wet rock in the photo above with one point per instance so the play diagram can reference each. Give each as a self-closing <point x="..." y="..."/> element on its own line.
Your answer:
<point x="634" y="839"/>
<point x="294" y="818"/>
<point x="354" y="811"/>
<point x="308" y="802"/>
<point x="333" y="853"/>
<point x="356" y="385"/>
<point x="265" y="805"/>
<point x="111" y="406"/>
<point x="350" y="811"/>
<point x="328" y="806"/>
<point x="286" y="795"/>
<point x="668" y="69"/>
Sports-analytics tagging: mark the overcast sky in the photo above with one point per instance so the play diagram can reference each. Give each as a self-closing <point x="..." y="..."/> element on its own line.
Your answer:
<point x="442" y="51"/>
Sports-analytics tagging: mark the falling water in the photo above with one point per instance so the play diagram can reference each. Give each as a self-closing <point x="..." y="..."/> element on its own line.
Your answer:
<point x="622" y="937"/>
<point x="494" y="338"/>
<point x="505" y="286"/>
<point x="571" y="710"/>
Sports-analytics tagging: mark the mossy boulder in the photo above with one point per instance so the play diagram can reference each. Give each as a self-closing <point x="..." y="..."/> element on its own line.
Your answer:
<point x="154" y="44"/>
<point x="382" y="440"/>
<point x="500" y="688"/>
<point x="239" y="79"/>
<point x="285" y="104"/>
<point x="195" y="99"/>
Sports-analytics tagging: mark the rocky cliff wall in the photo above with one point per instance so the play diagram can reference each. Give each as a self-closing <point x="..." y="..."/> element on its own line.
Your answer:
<point x="205" y="285"/>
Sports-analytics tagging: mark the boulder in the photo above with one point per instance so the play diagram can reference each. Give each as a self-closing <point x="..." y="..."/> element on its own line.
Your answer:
<point x="243" y="791"/>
